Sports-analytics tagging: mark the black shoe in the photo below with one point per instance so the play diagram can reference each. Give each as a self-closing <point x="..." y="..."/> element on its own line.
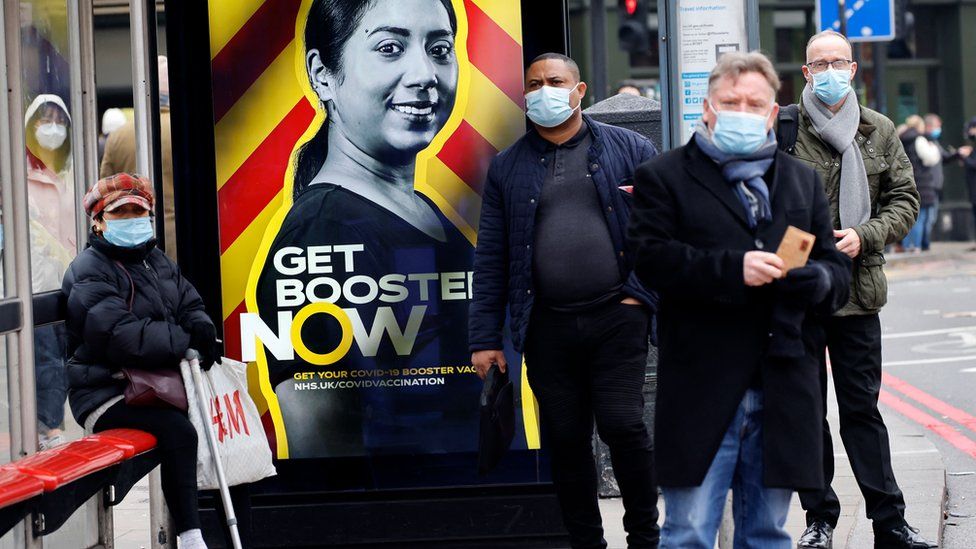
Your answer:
<point x="819" y="535"/>
<point x="902" y="537"/>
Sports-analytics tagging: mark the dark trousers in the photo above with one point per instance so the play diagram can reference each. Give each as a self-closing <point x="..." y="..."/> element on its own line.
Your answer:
<point x="854" y="344"/>
<point x="590" y="365"/>
<point x="176" y="440"/>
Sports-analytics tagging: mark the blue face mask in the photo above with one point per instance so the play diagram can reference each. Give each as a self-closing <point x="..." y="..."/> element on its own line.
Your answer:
<point x="936" y="133"/>
<point x="739" y="133"/>
<point x="832" y="85"/>
<point x="128" y="233"/>
<point x="548" y="106"/>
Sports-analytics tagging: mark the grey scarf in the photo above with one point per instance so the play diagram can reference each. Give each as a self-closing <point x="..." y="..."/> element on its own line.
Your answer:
<point x="839" y="130"/>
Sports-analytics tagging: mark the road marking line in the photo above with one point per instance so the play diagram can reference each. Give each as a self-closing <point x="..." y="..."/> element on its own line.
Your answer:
<point x="929" y="401"/>
<point x="901" y="453"/>
<point x="944" y="430"/>
<point x="930" y="360"/>
<point x="929" y="332"/>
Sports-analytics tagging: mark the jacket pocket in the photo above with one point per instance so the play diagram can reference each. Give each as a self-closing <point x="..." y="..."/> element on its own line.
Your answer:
<point x="870" y="282"/>
<point x="875" y="165"/>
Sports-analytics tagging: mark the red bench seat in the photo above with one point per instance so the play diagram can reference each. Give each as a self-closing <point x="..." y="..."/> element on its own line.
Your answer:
<point x="63" y="464"/>
<point x="132" y="442"/>
<point x="16" y="487"/>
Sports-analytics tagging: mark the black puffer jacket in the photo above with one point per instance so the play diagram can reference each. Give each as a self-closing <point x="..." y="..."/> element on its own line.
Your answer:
<point x="113" y="324"/>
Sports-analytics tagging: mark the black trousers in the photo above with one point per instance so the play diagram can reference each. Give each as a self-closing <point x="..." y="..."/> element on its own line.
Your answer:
<point x="854" y="344"/>
<point x="590" y="365"/>
<point x="176" y="440"/>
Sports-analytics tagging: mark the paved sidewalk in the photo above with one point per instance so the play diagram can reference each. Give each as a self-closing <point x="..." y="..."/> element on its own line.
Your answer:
<point x="943" y="259"/>
<point x="918" y="468"/>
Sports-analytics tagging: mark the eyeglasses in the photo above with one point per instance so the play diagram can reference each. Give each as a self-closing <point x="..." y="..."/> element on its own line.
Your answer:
<point x="820" y="66"/>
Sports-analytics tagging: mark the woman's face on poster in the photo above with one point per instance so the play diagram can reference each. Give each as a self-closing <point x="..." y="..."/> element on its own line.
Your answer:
<point x="397" y="82"/>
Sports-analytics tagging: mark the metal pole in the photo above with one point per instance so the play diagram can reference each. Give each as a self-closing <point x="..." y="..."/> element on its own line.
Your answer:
<point x="667" y="27"/>
<point x="598" y="48"/>
<point x="752" y="25"/>
<point x="880" y="64"/>
<point x="161" y="526"/>
<point x="842" y="16"/>
<point x="17" y="243"/>
<point x="138" y="23"/>
<point x="85" y="130"/>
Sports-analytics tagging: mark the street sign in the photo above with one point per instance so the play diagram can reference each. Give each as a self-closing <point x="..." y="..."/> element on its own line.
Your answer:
<point x="867" y="20"/>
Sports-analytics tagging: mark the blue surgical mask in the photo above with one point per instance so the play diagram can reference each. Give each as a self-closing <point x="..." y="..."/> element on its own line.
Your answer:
<point x="832" y="85"/>
<point x="739" y="133"/>
<point x="936" y="133"/>
<point x="548" y="106"/>
<point x="128" y="233"/>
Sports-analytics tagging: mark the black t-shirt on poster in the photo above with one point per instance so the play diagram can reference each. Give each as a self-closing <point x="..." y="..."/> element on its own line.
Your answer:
<point x="414" y="275"/>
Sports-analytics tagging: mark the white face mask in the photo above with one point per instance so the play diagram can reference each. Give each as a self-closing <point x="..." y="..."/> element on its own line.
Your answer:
<point x="51" y="135"/>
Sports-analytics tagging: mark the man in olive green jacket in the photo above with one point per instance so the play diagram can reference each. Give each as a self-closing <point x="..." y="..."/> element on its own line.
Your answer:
<point x="869" y="183"/>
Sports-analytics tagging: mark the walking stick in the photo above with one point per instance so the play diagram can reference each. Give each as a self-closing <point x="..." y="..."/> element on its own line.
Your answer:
<point x="193" y="358"/>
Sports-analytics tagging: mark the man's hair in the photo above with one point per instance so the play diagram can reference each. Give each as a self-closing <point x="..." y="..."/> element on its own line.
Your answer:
<point x="932" y="118"/>
<point x="573" y="67"/>
<point x="735" y="64"/>
<point x="826" y="33"/>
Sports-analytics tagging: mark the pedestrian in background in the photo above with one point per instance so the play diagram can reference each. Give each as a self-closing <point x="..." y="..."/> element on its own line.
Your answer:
<point x="969" y="163"/>
<point x="551" y="251"/>
<point x="120" y="156"/>
<point x="926" y="159"/>
<point x="738" y="402"/>
<point x="112" y="119"/>
<point x="873" y="202"/>
<point x="933" y="132"/>
<point x="51" y="208"/>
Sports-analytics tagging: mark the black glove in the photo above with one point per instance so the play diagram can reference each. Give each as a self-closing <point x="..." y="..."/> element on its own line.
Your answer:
<point x="801" y="289"/>
<point x="203" y="338"/>
<point x="806" y="286"/>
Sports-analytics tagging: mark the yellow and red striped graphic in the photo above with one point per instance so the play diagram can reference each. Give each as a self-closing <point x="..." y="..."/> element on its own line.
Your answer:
<point x="264" y="109"/>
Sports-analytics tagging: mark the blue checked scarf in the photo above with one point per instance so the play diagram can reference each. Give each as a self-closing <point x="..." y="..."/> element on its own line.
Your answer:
<point x="744" y="173"/>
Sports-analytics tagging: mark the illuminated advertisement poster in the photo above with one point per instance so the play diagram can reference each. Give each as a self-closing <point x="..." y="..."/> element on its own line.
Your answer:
<point x="707" y="29"/>
<point x="352" y="142"/>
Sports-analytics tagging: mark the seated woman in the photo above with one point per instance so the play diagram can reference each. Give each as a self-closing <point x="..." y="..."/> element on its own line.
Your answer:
<point x="128" y="306"/>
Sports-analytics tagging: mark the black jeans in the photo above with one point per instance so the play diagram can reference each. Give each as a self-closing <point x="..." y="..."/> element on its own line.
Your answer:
<point x="590" y="365"/>
<point x="854" y="343"/>
<point x="176" y="440"/>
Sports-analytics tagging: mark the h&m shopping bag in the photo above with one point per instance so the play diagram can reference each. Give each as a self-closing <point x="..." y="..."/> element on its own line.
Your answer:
<point x="235" y="423"/>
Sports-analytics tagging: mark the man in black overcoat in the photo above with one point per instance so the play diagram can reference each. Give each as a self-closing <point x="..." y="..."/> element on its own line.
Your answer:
<point x="738" y="402"/>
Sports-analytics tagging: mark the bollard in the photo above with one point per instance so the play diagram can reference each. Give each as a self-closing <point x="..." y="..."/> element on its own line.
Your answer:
<point x="643" y="116"/>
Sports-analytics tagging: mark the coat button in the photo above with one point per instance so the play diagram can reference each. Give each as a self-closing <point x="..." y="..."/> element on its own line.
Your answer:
<point x="528" y="292"/>
<point x="870" y="149"/>
<point x="532" y="200"/>
<point x="594" y="167"/>
<point x="760" y="244"/>
<point x="543" y="160"/>
<point x="528" y="246"/>
<point x="621" y="254"/>
<point x="609" y="208"/>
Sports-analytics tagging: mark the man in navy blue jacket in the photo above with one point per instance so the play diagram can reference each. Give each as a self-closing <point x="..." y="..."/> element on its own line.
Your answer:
<point x="551" y="248"/>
